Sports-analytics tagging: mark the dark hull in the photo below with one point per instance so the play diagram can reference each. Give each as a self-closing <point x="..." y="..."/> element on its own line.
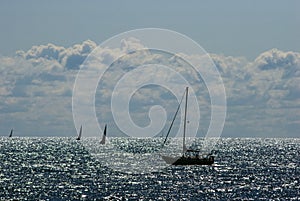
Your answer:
<point x="188" y="161"/>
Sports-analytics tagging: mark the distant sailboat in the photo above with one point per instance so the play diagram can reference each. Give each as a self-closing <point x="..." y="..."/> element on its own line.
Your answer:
<point x="189" y="156"/>
<point x="11" y="132"/>
<point x="79" y="134"/>
<point x="104" y="136"/>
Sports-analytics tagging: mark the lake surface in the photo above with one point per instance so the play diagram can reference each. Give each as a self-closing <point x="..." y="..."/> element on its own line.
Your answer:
<point x="65" y="169"/>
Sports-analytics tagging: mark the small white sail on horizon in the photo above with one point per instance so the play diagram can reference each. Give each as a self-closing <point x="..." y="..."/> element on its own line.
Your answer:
<point x="104" y="135"/>
<point x="11" y="133"/>
<point x="79" y="134"/>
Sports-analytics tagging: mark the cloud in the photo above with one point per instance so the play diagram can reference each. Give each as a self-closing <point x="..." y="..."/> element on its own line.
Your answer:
<point x="260" y="92"/>
<point x="33" y="93"/>
<point x="36" y="85"/>
<point x="131" y="44"/>
<point x="74" y="56"/>
<point x="50" y="52"/>
<point x="69" y="58"/>
<point x="275" y="58"/>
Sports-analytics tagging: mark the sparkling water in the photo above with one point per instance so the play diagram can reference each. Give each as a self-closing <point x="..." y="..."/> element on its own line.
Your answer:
<point x="64" y="169"/>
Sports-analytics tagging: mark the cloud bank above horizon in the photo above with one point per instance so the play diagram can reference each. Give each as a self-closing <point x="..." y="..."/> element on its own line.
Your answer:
<point x="263" y="95"/>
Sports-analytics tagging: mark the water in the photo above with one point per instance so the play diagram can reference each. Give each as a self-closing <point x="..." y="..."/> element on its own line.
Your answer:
<point x="63" y="169"/>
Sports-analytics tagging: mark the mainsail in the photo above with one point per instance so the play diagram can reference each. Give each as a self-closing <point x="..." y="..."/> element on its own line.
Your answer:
<point x="79" y="135"/>
<point x="11" y="132"/>
<point x="104" y="135"/>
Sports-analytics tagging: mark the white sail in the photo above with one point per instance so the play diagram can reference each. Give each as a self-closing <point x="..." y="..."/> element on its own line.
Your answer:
<point x="104" y="136"/>
<point x="80" y="133"/>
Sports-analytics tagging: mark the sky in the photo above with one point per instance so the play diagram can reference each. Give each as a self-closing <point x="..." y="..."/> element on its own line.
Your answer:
<point x="255" y="44"/>
<point x="232" y="28"/>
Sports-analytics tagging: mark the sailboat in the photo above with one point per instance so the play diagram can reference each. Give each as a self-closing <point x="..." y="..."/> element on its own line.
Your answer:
<point x="104" y="135"/>
<point x="11" y="132"/>
<point x="189" y="156"/>
<point x="79" y="134"/>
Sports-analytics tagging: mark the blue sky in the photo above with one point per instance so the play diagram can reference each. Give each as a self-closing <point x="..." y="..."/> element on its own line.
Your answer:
<point x="255" y="45"/>
<point x="236" y="28"/>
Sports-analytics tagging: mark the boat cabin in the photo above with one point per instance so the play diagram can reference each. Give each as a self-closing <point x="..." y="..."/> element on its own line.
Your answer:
<point x="191" y="153"/>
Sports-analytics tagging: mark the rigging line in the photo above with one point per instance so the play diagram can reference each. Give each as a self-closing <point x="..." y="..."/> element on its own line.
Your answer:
<point x="173" y="119"/>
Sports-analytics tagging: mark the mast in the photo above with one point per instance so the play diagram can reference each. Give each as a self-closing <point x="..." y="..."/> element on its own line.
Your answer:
<point x="184" y="123"/>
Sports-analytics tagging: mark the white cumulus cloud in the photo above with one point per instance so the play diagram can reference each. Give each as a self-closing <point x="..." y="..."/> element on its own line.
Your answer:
<point x="69" y="58"/>
<point x="36" y="85"/>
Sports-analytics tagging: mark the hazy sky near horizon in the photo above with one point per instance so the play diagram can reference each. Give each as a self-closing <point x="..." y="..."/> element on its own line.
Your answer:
<point x="254" y="44"/>
<point x="235" y="28"/>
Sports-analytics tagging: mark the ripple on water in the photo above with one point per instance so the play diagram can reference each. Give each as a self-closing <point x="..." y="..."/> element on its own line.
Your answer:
<point x="63" y="169"/>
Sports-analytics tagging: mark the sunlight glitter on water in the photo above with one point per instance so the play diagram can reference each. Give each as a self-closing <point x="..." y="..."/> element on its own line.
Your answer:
<point x="63" y="169"/>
